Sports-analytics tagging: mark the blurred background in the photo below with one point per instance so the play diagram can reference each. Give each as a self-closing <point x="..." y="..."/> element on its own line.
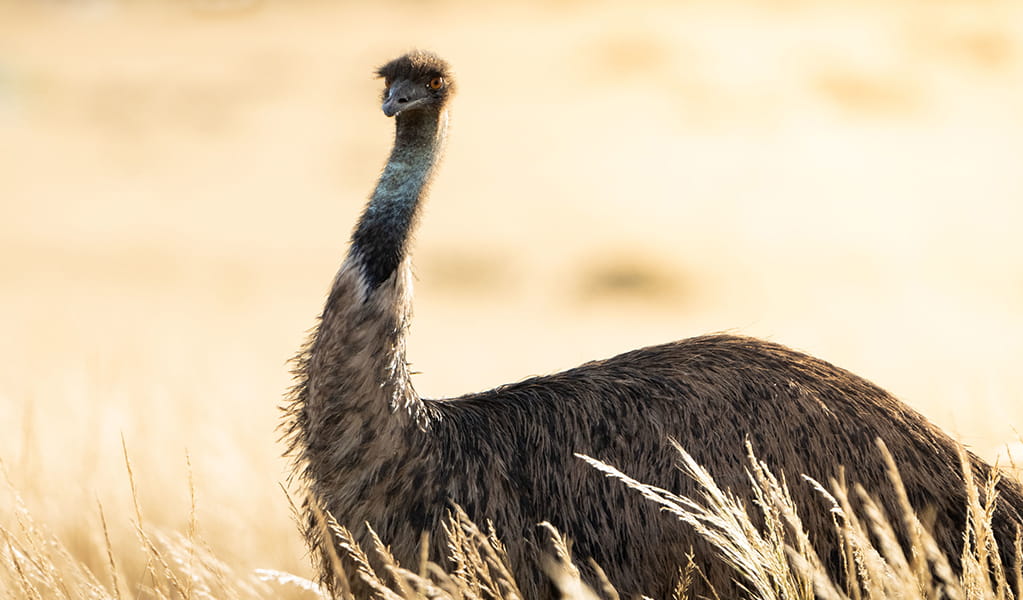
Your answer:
<point x="179" y="179"/>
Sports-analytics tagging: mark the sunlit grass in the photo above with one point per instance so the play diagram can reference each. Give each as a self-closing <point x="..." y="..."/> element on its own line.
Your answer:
<point x="773" y="561"/>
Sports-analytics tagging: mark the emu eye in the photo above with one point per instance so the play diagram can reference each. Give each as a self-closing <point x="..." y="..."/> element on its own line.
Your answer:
<point x="435" y="83"/>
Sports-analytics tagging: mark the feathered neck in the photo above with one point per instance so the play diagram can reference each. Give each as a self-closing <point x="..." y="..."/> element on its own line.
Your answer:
<point x="380" y="242"/>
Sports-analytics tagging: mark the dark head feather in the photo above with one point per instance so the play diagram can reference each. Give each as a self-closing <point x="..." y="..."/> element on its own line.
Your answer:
<point x="418" y="65"/>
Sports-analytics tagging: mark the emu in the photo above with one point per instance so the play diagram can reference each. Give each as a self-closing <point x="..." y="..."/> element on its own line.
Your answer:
<point x="373" y="451"/>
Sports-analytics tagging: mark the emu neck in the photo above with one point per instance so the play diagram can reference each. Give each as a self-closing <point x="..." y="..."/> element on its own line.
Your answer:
<point x="380" y="241"/>
<point x="358" y="393"/>
<point x="358" y="406"/>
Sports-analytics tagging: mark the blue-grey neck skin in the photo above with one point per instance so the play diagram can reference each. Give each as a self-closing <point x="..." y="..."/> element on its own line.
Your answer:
<point x="380" y="241"/>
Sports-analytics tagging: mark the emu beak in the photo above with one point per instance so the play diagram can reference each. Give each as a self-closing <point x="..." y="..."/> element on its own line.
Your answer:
<point x="402" y="96"/>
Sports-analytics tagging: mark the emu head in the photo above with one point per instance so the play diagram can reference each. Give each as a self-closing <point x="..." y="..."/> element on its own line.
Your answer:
<point x="418" y="80"/>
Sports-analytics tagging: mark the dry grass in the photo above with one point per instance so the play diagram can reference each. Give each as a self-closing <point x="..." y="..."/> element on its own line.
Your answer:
<point x="177" y="181"/>
<point x="775" y="561"/>
<point x="35" y="563"/>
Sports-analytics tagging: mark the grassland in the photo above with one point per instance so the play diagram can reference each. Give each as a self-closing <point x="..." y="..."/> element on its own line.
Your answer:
<point x="178" y="181"/>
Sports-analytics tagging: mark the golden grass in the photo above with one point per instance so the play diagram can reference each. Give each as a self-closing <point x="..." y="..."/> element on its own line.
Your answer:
<point x="35" y="563"/>
<point x="777" y="561"/>
<point x="773" y="561"/>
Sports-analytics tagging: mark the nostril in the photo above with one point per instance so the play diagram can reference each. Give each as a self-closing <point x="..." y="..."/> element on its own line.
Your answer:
<point x="402" y="100"/>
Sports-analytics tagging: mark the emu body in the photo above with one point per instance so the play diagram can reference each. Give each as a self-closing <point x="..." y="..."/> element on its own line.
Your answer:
<point x="374" y="452"/>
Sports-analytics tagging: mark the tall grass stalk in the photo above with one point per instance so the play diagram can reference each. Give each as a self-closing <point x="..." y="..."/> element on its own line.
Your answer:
<point x="777" y="562"/>
<point x="772" y="561"/>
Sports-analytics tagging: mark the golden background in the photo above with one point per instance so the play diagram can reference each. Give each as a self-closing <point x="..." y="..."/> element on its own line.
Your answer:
<point x="178" y="182"/>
